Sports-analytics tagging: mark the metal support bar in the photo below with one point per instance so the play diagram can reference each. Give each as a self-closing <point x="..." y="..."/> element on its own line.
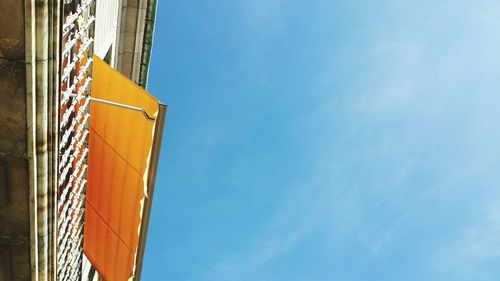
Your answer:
<point x="124" y="106"/>
<point x="142" y="110"/>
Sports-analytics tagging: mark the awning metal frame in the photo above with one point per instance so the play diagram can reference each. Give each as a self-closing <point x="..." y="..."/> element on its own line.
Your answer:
<point x="116" y="104"/>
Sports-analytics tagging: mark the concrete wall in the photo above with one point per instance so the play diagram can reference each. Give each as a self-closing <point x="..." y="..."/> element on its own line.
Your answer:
<point x="29" y="70"/>
<point x="14" y="185"/>
<point x="120" y="25"/>
<point x="106" y="28"/>
<point x="131" y="35"/>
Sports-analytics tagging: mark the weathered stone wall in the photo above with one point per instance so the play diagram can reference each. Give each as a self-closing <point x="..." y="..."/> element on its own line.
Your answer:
<point x="131" y="34"/>
<point x="14" y="185"/>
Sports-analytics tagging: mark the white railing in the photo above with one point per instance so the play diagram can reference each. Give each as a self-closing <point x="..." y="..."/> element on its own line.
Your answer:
<point x="76" y="61"/>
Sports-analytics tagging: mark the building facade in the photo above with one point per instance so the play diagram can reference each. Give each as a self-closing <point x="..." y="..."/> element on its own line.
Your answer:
<point x="47" y="54"/>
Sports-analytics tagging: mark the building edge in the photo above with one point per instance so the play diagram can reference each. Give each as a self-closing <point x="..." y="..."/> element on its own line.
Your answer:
<point x="42" y="85"/>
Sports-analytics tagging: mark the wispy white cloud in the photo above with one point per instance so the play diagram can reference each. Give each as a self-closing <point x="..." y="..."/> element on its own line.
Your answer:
<point x="396" y="151"/>
<point x="262" y="13"/>
<point x="474" y="253"/>
<point x="295" y="217"/>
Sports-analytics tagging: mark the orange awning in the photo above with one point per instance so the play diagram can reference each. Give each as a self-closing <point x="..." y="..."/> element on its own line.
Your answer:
<point x="119" y="169"/>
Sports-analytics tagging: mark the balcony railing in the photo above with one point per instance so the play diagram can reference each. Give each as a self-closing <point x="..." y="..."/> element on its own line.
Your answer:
<point x="76" y="61"/>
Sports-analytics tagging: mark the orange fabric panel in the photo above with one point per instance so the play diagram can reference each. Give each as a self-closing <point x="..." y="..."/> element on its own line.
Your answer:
<point x="120" y="143"/>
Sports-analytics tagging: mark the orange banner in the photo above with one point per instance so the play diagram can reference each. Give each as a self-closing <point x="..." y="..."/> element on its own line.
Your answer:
<point x="120" y="143"/>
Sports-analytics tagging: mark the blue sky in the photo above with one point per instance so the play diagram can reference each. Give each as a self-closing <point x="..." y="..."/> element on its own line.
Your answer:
<point x="327" y="140"/>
